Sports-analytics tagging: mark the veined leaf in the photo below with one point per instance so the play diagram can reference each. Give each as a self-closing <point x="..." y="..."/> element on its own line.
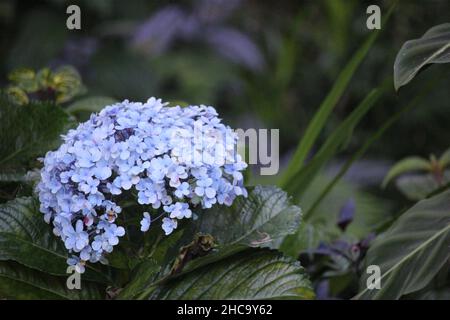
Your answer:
<point x="19" y="282"/>
<point x="90" y="104"/>
<point x="412" y="251"/>
<point x="420" y="186"/>
<point x="147" y="271"/>
<point x="29" y="131"/>
<point x="13" y="176"/>
<point x="433" y="294"/>
<point x="251" y="274"/>
<point x="261" y="220"/>
<point x="307" y="237"/>
<point x="432" y="47"/>
<point x="437" y="289"/>
<point x="27" y="239"/>
<point x="406" y="165"/>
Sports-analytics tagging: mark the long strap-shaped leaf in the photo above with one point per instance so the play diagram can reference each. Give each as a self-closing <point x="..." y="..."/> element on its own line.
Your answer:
<point x="372" y="139"/>
<point x="334" y="143"/>
<point x="318" y="122"/>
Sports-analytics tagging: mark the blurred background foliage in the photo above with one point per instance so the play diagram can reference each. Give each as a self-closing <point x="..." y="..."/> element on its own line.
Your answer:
<point x="262" y="64"/>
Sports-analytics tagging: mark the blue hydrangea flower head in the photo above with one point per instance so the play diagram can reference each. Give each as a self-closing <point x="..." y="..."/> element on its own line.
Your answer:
<point x="172" y="161"/>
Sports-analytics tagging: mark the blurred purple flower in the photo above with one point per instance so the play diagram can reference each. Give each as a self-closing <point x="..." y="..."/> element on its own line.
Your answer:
<point x="215" y="11"/>
<point x="236" y="47"/>
<point x="77" y="52"/>
<point x="206" y="23"/>
<point x="346" y="214"/>
<point x="323" y="290"/>
<point x="157" y="33"/>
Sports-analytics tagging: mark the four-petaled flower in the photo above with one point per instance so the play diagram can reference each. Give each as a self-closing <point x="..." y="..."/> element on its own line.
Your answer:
<point x="145" y="222"/>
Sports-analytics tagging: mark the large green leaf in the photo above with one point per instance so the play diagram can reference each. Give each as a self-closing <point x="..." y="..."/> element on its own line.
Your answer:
<point x="436" y="294"/>
<point x="19" y="282"/>
<point x="263" y="219"/>
<point x="251" y="274"/>
<point x="156" y="263"/>
<point x="90" y="104"/>
<point x="307" y="237"/>
<point x="412" y="251"/>
<point x="29" y="131"/>
<point x="13" y="176"/>
<point x="27" y="239"/>
<point x="419" y="186"/>
<point x="432" y="47"/>
<point x="437" y="289"/>
<point x="143" y="276"/>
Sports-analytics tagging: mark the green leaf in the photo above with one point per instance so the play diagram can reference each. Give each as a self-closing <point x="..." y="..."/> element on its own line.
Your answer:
<point x="307" y="237"/>
<point x="406" y="165"/>
<point x="27" y="239"/>
<point x="414" y="55"/>
<point x="29" y="131"/>
<point x="90" y="104"/>
<point x="146" y="271"/>
<point x="13" y="176"/>
<point x="370" y="214"/>
<point x="262" y="219"/>
<point x="420" y="186"/>
<point x="252" y="274"/>
<point x="67" y="82"/>
<point x="444" y="160"/>
<point x="437" y="289"/>
<point x="337" y="140"/>
<point x="25" y="79"/>
<point x="319" y="120"/>
<point x="412" y="251"/>
<point x="143" y="275"/>
<point x="434" y="294"/>
<point x="19" y="282"/>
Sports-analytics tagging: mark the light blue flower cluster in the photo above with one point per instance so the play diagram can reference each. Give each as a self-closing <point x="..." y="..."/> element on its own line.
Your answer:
<point x="171" y="160"/>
